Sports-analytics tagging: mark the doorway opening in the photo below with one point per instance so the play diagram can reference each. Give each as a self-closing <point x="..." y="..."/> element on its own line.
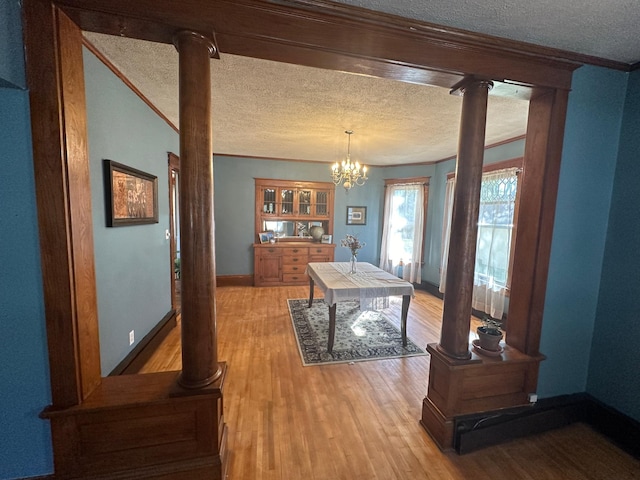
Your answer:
<point x="174" y="230"/>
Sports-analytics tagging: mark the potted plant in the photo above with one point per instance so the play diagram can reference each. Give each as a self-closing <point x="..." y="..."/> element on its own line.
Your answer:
<point x="489" y="334"/>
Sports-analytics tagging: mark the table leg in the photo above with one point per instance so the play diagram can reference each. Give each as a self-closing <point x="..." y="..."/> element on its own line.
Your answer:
<point x="403" y="319"/>
<point x="311" y="285"/>
<point x="332" y="326"/>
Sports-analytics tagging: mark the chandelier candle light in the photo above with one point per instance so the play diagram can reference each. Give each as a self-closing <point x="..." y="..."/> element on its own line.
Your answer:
<point x="348" y="173"/>
<point x="353" y="244"/>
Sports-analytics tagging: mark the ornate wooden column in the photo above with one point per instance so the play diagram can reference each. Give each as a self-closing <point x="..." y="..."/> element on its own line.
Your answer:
<point x="197" y="255"/>
<point x="462" y="382"/>
<point x="454" y="337"/>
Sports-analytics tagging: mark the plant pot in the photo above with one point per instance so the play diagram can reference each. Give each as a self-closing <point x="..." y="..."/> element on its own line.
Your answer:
<point x="489" y="338"/>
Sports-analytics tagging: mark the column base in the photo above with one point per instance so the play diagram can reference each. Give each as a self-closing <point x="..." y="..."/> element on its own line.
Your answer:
<point x="142" y="427"/>
<point x="477" y="385"/>
<point x="439" y="428"/>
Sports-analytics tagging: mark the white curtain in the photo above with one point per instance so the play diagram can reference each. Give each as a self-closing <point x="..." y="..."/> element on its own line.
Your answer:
<point x="446" y="230"/>
<point x="402" y="231"/>
<point x="495" y="227"/>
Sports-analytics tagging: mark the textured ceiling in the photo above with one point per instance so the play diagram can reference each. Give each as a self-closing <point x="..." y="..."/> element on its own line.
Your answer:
<point x="606" y="29"/>
<point x="276" y="110"/>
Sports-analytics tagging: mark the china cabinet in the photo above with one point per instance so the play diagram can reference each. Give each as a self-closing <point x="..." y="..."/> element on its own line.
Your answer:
<point x="287" y="210"/>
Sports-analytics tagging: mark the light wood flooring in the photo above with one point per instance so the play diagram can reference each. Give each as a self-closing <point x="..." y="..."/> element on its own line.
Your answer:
<point x="360" y="420"/>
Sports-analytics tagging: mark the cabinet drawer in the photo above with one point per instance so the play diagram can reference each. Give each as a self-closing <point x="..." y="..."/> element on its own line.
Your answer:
<point x="294" y="268"/>
<point x="318" y="250"/>
<point x="295" y="277"/>
<point x="294" y="251"/>
<point x="271" y="251"/>
<point x="320" y="258"/>
<point x="295" y="259"/>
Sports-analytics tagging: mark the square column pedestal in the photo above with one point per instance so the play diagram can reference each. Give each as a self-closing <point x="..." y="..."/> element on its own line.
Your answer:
<point x="142" y="427"/>
<point x="480" y="384"/>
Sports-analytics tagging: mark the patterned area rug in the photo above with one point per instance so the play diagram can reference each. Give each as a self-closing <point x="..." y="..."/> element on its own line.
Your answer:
<point x="360" y="336"/>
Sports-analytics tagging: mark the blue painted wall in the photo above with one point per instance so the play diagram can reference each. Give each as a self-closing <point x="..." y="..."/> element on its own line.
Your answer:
<point x="371" y="196"/>
<point x="614" y="374"/>
<point x="11" y="56"/>
<point x="25" y="444"/>
<point x="25" y="439"/>
<point x="133" y="270"/>
<point x="586" y="182"/>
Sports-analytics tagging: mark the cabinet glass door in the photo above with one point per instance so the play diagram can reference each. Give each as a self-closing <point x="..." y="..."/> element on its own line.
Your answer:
<point x="304" y="202"/>
<point x="287" y="198"/>
<point x="322" y="203"/>
<point x="269" y="200"/>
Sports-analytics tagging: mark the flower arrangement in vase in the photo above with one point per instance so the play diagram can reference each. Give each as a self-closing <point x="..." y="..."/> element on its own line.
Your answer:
<point x="354" y="244"/>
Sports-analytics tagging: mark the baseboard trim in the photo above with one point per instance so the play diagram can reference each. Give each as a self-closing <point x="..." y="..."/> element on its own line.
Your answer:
<point x="474" y="432"/>
<point x="136" y="359"/>
<point x="621" y="429"/>
<point x="431" y="288"/>
<point x="234" y="281"/>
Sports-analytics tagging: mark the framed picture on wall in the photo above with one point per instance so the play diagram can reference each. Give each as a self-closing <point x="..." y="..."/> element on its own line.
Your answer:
<point x="356" y="215"/>
<point x="131" y="196"/>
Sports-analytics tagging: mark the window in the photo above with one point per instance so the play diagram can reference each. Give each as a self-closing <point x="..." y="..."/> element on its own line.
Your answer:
<point x="496" y="227"/>
<point x="403" y="227"/>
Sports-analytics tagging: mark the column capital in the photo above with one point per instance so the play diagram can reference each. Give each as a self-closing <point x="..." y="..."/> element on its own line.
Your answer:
<point x="210" y="43"/>
<point x="467" y="83"/>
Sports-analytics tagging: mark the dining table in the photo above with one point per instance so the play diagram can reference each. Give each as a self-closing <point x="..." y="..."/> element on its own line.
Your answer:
<point x="338" y="283"/>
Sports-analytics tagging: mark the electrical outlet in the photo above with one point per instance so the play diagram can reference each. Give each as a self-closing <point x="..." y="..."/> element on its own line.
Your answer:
<point x="533" y="398"/>
<point x="132" y="337"/>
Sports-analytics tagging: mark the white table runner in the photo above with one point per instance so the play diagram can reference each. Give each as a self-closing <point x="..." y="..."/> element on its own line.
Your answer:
<point x="367" y="284"/>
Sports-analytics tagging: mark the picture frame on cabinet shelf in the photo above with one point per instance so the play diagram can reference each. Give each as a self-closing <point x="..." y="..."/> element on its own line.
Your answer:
<point x="326" y="238"/>
<point x="356" y="215"/>
<point x="265" y="237"/>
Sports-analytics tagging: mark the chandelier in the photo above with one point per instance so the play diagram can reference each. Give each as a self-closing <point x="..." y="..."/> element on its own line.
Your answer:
<point x="348" y="173"/>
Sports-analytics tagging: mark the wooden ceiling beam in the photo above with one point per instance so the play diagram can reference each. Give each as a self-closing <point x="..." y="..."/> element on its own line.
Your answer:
<point x="332" y="36"/>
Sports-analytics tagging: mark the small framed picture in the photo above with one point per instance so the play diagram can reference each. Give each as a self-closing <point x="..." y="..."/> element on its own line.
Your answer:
<point x="265" y="237"/>
<point x="326" y="239"/>
<point x="356" y="215"/>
